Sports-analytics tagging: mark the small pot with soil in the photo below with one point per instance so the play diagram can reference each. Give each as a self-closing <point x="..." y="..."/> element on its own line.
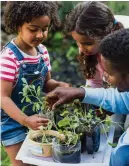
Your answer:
<point x="63" y="153"/>
<point x="40" y="142"/>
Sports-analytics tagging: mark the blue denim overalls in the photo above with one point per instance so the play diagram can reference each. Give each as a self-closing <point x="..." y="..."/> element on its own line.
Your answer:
<point x="11" y="131"/>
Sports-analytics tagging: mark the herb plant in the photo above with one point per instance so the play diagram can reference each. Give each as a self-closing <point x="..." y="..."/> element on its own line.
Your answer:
<point x="39" y="105"/>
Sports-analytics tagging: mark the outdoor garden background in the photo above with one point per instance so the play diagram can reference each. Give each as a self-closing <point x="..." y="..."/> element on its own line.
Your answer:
<point x="63" y="51"/>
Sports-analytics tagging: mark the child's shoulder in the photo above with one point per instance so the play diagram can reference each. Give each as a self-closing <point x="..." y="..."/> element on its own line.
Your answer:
<point x="8" y="53"/>
<point x="9" y="65"/>
<point x="43" y="48"/>
<point x="45" y="56"/>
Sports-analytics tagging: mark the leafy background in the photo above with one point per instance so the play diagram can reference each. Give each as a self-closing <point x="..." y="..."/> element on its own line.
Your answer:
<point x="63" y="51"/>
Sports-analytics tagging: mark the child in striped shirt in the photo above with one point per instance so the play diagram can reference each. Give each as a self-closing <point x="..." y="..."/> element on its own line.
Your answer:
<point x="24" y="57"/>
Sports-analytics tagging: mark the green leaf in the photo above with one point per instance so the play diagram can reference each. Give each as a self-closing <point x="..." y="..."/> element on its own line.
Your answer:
<point x="28" y="99"/>
<point x="65" y="113"/>
<point x="34" y="108"/>
<point x="100" y="109"/>
<point x="108" y="120"/>
<point x="33" y="87"/>
<point x="76" y="111"/>
<point x="25" y="89"/>
<point x="112" y="144"/>
<point x="37" y="106"/>
<point x="90" y="111"/>
<point x="23" y="108"/>
<point x="75" y="140"/>
<point x="22" y="100"/>
<point x="64" y="122"/>
<point x="74" y="125"/>
<point x="24" y="80"/>
<point x="38" y="91"/>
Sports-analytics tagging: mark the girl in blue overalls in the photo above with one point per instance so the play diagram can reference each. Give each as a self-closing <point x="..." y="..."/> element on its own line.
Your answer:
<point x="24" y="57"/>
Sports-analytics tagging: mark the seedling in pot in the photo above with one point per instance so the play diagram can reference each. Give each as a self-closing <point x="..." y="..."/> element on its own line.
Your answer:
<point x="35" y="100"/>
<point x="69" y="149"/>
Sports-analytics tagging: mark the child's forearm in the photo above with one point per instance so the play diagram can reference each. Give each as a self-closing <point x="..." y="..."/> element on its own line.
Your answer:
<point x="52" y="84"/>
<point x="33" y="122"/>
<point x="12" y="110"/>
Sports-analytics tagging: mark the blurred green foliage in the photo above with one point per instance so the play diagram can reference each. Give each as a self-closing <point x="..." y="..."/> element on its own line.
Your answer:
<point x="4" y="158"/>
<point x="119" y="7"/>
<point x="63" y="52"/>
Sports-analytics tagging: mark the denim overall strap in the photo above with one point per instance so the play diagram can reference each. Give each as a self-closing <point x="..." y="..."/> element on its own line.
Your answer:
<point x="39" y="49"/>
<point x="15" y="51"/>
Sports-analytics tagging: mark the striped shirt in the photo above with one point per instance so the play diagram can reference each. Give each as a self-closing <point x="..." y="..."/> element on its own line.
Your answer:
<point x="10" y="65"/>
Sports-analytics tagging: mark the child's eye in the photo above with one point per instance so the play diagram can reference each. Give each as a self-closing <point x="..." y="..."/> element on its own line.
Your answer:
<point x="33" y="30"/>
<point x="88" y="43"/>
<point x="43" y="30"/>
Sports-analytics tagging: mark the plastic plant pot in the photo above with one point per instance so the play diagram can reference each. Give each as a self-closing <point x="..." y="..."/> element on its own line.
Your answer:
<point x="83" y="142"/>
<point x="65" y="153"/>
<point x="93" y="141"/>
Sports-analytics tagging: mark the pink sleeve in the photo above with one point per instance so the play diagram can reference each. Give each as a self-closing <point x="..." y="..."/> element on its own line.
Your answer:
<point x="8" y="66"/>
<point x="97" y="82"/>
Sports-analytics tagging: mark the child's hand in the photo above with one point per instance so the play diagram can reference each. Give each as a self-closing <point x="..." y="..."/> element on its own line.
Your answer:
<point x="35" y="121"/>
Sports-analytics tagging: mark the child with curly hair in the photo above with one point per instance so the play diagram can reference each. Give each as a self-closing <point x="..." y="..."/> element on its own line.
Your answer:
<point x="88" y="23"/>
<point x="24" y="57"/>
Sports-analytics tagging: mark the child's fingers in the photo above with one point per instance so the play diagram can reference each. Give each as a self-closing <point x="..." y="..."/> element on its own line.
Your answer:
<point x="42" y="124"/>
<point x="43" y="120"/>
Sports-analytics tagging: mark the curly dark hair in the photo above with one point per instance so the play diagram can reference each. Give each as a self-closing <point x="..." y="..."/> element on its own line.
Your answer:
<point x="92" y="19"/>
<point x="115" y="48"/>
<point x="18" y="12"/>
<point x="87" y="65"/>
